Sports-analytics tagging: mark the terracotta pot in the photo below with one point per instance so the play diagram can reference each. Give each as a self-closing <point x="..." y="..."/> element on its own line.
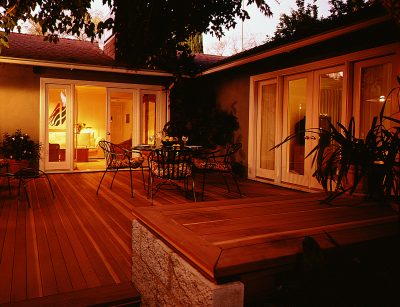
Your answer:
<point x="16" y="165"/>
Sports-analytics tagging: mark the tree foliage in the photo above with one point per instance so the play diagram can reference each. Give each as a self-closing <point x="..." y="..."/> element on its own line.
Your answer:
<point x="147" y="32"/>
<point x="304" y="17"/>
<point x="152" y="31"/>
<point x="304" y="20"/>
<point x="346" y="7"/>
<point x="54" y="17"/>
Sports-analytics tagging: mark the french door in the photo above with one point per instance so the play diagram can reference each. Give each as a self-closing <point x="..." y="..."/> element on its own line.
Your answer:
<point x="75" y="116"/>
<point x="308" y="100"/>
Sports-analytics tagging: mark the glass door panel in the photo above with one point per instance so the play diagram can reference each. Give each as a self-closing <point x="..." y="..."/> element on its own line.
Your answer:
<point x="297" y="107"/>
<point x="148" y="123"/>
<point x="329" y="104"/>
<point x="58" y="114"/>
<point x="266" y="125"/>
<point x="372" y="82"/>
<point x="330" y="99"/>
<point x="375" y="84"/>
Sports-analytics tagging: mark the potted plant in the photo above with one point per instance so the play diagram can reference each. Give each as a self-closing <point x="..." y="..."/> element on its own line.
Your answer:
<point x="20" y="149"/>
<point x="342" y="161"/>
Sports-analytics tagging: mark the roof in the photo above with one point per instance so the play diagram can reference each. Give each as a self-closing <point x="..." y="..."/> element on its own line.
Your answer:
<point x="73" y="51"/>
<point x="34" y="47"/>
<point x="204" y="61"/>
<point x="326" y="30"/>
<point x="68" y="53"/>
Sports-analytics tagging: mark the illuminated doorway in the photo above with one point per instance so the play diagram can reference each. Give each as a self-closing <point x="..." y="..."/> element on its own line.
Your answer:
<point x="76" y="115"/>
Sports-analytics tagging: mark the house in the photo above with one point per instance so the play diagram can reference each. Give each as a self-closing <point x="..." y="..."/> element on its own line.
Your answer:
<point x="71" y="94"/>
<point x="343" y="71"/>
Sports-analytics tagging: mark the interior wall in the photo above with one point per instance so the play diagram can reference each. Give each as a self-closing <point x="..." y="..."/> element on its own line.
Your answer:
<point x="19" y="100"/>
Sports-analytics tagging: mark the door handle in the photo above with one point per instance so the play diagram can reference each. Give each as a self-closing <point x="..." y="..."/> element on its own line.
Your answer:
<point x="306" y="137"/>
<point x="108" y="133"/>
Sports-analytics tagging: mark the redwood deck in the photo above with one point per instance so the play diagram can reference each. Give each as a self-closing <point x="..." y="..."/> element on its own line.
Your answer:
<point x="78" y="240"/>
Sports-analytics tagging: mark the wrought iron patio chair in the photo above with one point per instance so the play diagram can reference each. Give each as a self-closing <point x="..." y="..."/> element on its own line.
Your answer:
<point x="27" y="174"/>
<point x="170" y="165"/>
<point x="219" y="161"/>
<point x="118" y="158"/>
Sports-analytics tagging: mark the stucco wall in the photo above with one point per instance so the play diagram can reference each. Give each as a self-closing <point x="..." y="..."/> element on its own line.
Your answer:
<point x="19" y="100"/>
<point x="20" y="92"/>
<point x="232" y="94"/>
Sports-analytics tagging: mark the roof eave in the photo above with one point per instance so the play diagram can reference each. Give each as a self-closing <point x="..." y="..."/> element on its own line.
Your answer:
<point x="293" y="46"/>
<point x="77" y="66"/>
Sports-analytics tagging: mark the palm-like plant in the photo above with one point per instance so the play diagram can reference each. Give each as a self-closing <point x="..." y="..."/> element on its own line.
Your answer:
<point x="342" y="160"/>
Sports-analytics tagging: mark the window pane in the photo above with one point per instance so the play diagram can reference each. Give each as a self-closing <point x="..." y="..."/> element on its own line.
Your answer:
<point x="267" y="109"/>
<point x="375" y="83"/>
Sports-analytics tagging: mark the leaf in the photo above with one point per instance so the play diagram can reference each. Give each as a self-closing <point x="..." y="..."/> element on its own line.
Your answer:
<point x="397" y="121"/>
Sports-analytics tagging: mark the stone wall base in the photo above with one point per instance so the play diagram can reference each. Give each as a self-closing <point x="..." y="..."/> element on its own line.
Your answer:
<point x="164" y="278"/>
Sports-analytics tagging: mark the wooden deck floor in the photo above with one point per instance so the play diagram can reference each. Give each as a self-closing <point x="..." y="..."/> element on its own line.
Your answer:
<point x="259" y="241"/>
<point x="230" y="238"/>
<point x="78" y="240"/>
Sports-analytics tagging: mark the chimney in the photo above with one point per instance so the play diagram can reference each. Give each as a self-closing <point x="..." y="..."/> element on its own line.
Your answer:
<point x="109" y="47"/>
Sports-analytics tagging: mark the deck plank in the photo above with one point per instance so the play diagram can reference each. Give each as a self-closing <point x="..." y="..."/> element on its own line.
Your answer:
<point x="34" y="282"/>
<point x="18" y="287"/>
<point x="7" y="255"/>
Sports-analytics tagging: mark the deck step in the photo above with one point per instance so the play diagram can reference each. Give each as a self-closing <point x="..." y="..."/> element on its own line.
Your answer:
<point x="121" y="295"/>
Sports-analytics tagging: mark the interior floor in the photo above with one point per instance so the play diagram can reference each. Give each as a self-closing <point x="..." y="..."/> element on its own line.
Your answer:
<point x="91" y="165"/>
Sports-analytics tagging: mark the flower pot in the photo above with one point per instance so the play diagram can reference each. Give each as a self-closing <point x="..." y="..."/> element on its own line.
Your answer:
<point x="350" y="180"/>
<point x="16" y="165"/>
